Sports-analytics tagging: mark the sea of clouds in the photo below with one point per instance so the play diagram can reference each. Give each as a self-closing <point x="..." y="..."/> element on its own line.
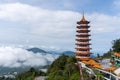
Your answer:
<point x="18" y="57"/>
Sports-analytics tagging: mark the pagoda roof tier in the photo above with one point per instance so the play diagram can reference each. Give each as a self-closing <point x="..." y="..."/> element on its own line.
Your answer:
<point x="83" y="58"/>
<point x="83" y="22"/>
<point x="82" y="53"/>
<point x="81" y="49"/>
<point x="83" y="40"/>
<point x="82" y="31"/>
<point x="83" y="34"/>
<point x="116" y="54"/>
<point x="82" y="45"/>
<point x="83" y="26"/>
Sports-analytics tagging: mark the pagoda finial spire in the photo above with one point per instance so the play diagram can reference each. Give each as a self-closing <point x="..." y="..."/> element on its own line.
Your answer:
<point x="83" y="18"/>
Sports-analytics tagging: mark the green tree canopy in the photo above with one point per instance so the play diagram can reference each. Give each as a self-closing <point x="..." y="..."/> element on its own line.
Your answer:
<point x="63" y="68"/>
<point x="116" y="45"/>
<point x="30" y="75"/>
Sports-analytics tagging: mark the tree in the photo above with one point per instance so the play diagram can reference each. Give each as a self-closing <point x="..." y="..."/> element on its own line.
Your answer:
<point x="98" y="55"/>
<point x="107" y="54"/>
<point x="116" y="45"/>
<point x="99" y="76"/>
<point x="63" y="68"/>
<point x="29" y="75"/>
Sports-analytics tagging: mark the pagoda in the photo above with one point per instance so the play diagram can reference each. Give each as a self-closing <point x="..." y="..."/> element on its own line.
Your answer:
<point x="82" y="40"/>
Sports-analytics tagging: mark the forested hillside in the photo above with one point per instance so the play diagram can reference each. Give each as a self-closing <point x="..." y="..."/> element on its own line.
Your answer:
<point x="63" y="68"/>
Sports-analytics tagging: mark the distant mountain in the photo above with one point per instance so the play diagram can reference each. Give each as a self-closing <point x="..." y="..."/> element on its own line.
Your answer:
<point x="53" y="52"/>
<point x="69" y="53"/>
<point x="36" y="50"/>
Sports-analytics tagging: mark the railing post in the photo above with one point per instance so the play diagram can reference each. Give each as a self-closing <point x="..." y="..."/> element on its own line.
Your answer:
<point x="80" y="68"/>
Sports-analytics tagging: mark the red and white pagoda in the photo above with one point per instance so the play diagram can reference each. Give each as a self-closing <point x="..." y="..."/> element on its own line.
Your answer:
<point x="82" y="40"/>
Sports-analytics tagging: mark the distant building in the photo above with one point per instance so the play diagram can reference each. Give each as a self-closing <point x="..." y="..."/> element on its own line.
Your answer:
<point x="82" y="40"/>
<point x="115" y="59"/>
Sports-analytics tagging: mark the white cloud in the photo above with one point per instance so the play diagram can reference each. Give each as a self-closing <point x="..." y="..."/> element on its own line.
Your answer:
<point x="54" y="28"/>
<point x="102" y="23"/>
<point x="18" y="57"/>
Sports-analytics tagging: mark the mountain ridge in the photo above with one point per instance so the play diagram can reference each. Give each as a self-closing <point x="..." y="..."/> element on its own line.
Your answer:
<point x="36" y="50"/>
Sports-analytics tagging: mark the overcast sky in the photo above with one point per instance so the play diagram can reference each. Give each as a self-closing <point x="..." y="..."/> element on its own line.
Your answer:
<point x="52" y="23"/>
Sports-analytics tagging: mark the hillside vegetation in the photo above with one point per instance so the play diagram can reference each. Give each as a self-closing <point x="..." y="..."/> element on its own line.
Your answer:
<point x="63" y="68"/>
<point x="30" y="75"/>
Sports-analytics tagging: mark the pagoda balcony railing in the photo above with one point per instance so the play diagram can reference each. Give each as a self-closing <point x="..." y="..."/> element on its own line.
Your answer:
<point x="82" y="38"/>
<point x="82" y="34"/>
<point x="82" y="29"/>
<point x="113" y="55"/>
<point x="82" y="24"/>
<point x="118" y="59"/>
<point x="83" y="47"/>
<point x="82" y="43"/>
<point x="83" y="52"/>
